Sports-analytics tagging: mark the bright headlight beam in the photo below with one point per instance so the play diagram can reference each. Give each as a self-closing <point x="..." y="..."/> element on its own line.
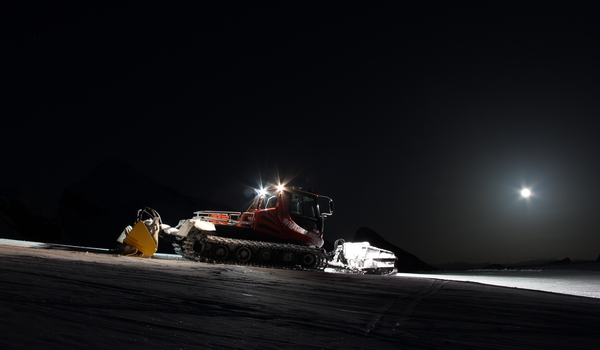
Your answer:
<point x="525" y="193"/>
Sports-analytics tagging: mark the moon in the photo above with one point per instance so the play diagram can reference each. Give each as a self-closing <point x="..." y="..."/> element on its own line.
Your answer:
<point x="525" y="192"/>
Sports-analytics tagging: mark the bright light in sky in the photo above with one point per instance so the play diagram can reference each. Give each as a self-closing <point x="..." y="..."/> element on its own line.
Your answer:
<point x="525" y="193"/>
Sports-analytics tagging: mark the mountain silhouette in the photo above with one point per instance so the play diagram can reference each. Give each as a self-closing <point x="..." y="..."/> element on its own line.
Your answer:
<point x="406" y="262"/>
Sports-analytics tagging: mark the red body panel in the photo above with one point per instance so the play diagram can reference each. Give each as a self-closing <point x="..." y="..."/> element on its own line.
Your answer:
<point x="278" y="222"/>
<point x="289" y="216"/>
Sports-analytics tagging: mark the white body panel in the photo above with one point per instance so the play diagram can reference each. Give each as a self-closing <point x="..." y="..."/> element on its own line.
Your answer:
<point x="185" y="226"/>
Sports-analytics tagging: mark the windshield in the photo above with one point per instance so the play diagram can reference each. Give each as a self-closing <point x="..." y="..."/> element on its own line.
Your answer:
<point x="304" y="206"/>
<point x="269" y="201"/>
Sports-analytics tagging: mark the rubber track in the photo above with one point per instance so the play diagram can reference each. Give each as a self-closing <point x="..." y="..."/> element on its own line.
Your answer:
<point x="186" y="249"/>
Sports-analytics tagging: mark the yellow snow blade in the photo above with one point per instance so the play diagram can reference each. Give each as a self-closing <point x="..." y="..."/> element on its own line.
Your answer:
<point x="140" y="238"/>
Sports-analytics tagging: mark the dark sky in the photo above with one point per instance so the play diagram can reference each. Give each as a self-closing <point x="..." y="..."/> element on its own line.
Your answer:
<point x="421" y="122"/>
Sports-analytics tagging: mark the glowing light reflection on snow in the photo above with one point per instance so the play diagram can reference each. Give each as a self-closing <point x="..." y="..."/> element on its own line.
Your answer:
<point x="564" y="281"/>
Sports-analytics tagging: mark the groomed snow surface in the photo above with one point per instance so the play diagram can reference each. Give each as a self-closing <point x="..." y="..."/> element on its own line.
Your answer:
<point x="63" y="297"/>
<point x="581" y="278"/>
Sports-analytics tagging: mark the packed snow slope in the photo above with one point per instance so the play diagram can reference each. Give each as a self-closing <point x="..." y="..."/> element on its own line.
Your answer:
<point x="579" y="278"/>
<point x="80" y="298"/>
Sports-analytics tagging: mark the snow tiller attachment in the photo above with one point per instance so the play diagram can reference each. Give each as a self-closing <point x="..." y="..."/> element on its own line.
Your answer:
<point x="362" y="257"/>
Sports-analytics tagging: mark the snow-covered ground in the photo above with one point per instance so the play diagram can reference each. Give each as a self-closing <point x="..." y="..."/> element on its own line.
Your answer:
<point x="66" y="297"/>
<point x="582" y="278"/>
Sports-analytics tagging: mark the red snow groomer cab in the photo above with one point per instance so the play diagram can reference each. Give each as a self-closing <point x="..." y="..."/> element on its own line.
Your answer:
<point x="288" y="215"/>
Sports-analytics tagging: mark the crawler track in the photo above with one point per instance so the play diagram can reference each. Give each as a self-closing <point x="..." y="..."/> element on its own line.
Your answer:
<point x="204" y="247"/>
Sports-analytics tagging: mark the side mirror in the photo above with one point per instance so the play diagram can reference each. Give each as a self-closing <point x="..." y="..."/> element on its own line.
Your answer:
<point x="329" y="205"/>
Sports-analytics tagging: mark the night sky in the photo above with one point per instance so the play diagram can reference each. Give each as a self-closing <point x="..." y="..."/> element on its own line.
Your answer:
<point x="423" y="122"/>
